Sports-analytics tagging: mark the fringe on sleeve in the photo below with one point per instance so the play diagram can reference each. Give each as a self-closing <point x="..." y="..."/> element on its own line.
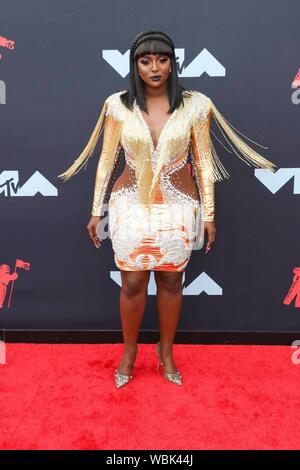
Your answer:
<point x="89" y="148"/>
<point x="209" y="158"/>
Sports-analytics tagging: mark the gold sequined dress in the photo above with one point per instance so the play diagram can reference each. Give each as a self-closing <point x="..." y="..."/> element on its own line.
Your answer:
<point x="158" y="205"/>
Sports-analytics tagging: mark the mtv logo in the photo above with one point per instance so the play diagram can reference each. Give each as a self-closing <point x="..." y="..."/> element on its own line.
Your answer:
<point x="37" y="183"/>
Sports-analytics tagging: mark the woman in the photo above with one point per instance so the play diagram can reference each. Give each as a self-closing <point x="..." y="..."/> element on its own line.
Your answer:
<point x="157" y="210"/>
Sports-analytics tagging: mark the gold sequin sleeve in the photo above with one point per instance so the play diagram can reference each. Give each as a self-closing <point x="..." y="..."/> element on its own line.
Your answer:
<point x="201" y="152"/>
<point x="107" y="162"/>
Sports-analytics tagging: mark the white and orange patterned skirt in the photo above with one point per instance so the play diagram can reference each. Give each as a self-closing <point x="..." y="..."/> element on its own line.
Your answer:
<point x="161" y="239"/>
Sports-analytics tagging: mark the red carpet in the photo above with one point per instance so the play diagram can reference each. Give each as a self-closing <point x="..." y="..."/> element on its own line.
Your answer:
<point x="233" y="397"/>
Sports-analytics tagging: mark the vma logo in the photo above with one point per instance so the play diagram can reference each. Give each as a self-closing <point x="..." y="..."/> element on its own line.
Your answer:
<point x="203" y="62"/>
<point x="37" y="183"/>
<point x="275" y="181"/>
<point x="202" y="283"/>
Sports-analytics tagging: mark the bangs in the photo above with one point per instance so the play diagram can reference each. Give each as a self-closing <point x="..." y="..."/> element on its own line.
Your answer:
<point x="153" y="46"/>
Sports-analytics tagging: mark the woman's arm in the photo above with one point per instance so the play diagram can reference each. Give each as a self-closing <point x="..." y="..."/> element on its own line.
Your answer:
<point x="201" y="160"/>
<point x="107" y="162"/>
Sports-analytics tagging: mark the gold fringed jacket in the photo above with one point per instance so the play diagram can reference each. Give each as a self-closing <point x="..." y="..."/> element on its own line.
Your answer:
<point x="156" y="183"/>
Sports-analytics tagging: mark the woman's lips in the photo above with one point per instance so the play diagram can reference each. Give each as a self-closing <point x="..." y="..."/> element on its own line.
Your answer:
<point x="156" y="77"/>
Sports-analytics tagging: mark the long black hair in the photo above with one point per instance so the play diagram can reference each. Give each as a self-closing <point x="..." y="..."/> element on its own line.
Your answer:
<point x="152" y="42"/>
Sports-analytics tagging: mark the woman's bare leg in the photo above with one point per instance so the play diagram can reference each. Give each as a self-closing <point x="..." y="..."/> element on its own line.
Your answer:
<point x="133" y="299"/>
<point x="169" y="301"/>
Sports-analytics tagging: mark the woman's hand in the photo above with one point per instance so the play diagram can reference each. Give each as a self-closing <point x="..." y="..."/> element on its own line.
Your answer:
<point x="210" y="228"/>
<point x="91" y="228"/>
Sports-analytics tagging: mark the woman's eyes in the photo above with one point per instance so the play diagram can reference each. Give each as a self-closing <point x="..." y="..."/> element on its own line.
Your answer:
<point x="145" y="62"/>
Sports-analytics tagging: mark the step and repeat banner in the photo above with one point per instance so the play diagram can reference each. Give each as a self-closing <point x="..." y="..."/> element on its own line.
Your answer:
<point x="59" y="60"/>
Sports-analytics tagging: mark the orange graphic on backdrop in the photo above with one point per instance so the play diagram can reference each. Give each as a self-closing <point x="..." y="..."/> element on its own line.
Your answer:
<point x="6" y="277"/>
<point x="8" y="43"/>
<point x="296" y="81"/>
<point x="294" y="289"/>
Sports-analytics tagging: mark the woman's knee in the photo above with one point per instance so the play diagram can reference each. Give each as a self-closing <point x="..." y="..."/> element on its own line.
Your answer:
<point x="134" y="283"/>
<point x="169" y="282"/>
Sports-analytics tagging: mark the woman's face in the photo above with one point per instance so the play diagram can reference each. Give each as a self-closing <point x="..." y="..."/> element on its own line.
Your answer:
<point x="154" y="64"/>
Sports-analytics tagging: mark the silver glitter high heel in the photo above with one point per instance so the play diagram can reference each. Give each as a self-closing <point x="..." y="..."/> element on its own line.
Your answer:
<point x="174" y="377"/>
<point x="121" y="379"/>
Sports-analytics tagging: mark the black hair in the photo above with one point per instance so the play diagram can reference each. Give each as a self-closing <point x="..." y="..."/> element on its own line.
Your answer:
<point x="152" y="42"/>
